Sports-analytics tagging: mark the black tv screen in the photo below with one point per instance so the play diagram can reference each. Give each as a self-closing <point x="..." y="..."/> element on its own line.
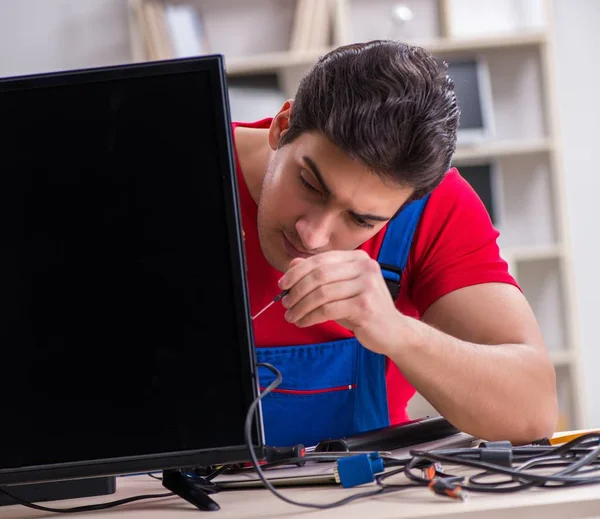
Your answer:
<point x="124" y="324"/>
<point x="465" y="74"/>
<point x="481" y="179"/>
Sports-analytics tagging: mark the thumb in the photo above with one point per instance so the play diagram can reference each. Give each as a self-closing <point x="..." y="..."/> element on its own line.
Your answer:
<point x="295" y="262"/>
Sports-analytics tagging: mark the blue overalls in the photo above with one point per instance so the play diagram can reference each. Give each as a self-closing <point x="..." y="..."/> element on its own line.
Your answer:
<point x="337" y="388"/>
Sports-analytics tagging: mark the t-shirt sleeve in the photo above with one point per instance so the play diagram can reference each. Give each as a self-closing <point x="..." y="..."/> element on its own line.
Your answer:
<point x="455" y="245"/>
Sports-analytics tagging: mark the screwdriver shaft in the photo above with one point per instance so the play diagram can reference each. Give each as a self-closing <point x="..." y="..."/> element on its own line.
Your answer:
<point x="265" y="308"/>
<point x="277" y="298"/>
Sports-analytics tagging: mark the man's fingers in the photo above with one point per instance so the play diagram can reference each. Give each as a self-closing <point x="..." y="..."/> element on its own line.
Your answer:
<point x="320" y="301"/>
<point x="303" y="267"/>
<point x="339" y="311"/>
<point x="295" y="261"/>
<point x="321" y="278"/>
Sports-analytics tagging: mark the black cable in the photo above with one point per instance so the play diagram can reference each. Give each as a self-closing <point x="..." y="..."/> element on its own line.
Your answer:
<point x="575" y="463"/>
<point x="268" y="484"/>
<point x="561" y="476"/>
<point x="84" y="508"/>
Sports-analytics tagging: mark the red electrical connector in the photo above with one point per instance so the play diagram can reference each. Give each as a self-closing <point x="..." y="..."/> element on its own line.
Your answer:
<point x="448" y="487"/>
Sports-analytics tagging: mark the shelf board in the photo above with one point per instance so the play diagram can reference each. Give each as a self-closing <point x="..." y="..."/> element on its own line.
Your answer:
<point x="502" y="41"/>
<point x="276" y="61"/>
<point x="499" y="149"/>
<point x="561" y="357"/>
<point x="531" y="252"/>
<point x="271" y="62"/>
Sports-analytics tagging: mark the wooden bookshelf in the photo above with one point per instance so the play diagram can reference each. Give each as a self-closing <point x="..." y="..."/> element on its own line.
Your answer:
<point x="527" y="146"/>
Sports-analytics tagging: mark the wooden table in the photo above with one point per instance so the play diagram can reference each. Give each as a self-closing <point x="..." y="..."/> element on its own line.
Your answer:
<point x="557" y="503"/>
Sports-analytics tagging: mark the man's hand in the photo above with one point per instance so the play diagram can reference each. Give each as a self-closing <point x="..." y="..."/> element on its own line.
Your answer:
<point x="346" y="287"/>
<point x="492" y="376"/>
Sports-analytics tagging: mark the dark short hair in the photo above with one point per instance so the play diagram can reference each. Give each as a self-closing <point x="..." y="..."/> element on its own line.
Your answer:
<point x="387" y="104"/>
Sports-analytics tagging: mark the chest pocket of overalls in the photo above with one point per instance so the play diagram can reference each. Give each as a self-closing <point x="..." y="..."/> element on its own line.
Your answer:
<point x="337" y="388"/>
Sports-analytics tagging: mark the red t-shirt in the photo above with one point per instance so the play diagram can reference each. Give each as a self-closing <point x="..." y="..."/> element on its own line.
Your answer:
<point x="454" y="246"/>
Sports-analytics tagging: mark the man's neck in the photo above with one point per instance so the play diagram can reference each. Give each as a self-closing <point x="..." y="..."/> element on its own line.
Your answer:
<point x="254" y="154"/>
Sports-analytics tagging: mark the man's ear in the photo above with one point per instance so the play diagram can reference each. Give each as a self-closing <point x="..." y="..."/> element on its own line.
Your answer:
<point x="280" y="124"/>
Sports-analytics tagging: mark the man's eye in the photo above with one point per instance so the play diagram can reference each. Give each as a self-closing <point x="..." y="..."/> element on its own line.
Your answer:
<point x="362" y="222"/>
<point x="307" y="185"/>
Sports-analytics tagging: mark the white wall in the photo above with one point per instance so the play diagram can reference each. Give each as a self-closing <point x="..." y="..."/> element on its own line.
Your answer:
<point x="51" y="35"/>
<point x="578" y="80"/>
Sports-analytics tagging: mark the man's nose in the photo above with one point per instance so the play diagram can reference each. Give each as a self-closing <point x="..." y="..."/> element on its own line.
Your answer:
<point x="315" y="231"/>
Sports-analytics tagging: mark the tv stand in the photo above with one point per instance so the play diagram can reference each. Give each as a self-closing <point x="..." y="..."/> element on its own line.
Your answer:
<point x="194" y="489"/>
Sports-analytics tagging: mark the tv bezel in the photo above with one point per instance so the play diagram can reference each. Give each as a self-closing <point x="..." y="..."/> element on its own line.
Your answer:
<point x="214" y="65"/>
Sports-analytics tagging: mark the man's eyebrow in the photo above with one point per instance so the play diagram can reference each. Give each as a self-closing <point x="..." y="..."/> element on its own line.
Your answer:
<point x="317" y="173"/>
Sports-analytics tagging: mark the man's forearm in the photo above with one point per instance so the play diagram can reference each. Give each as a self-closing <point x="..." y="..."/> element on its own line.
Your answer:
<point x="492" y="392"/>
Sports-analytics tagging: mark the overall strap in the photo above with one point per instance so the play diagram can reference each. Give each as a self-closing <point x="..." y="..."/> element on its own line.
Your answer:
<point x="397" y="241"/>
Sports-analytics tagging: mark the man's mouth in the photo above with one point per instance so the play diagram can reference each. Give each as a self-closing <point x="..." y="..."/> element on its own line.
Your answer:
<point x="293" y="251"/>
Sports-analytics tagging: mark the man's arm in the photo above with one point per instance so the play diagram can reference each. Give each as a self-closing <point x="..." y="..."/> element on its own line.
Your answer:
<point x="479" y="358"/>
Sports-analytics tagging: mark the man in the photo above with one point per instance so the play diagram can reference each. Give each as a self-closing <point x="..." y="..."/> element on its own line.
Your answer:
<point x="351" y="183"/>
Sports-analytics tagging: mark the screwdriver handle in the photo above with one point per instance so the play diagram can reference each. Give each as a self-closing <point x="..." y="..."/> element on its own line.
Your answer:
<point x="281" y="295"/>
<point x="284" y="453"/>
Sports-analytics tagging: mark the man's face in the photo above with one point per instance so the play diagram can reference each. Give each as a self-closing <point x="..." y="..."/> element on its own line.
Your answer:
<point x="316" y="198"/>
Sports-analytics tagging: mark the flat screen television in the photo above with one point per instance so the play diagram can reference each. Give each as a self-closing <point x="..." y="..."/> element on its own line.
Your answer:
<point x="126" y="336"/>
<point x="472" y="85"/>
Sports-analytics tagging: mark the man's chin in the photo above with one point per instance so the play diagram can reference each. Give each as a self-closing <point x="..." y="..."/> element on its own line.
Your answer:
<point x="280" y="265"/>
<point x="275" y="257"/>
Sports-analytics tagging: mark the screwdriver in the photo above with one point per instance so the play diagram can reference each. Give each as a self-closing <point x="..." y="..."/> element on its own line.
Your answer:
<point x="277" y="298"/>
<point x="273" y="454"/>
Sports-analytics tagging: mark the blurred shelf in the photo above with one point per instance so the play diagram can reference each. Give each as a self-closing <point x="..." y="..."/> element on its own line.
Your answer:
<point x="499" y="149"/>
<point x="561" y="357"/>
<point x="532" y="252"/>
<point x="504" y="41"/>
<point x="275" y="61"/>
<point x="271" y="62"/>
